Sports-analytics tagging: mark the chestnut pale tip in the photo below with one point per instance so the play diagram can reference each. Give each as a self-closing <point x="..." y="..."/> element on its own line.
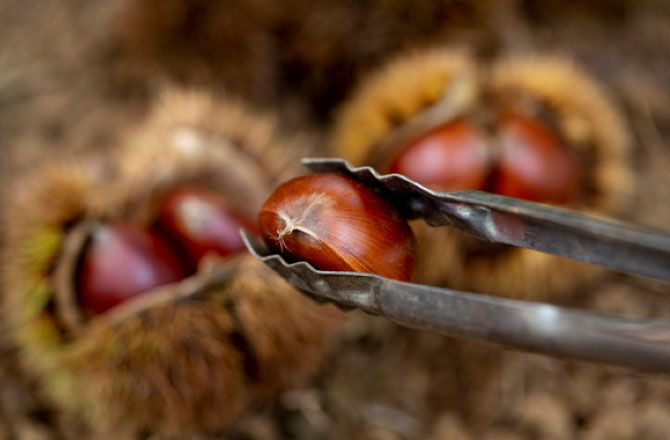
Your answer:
<point x="336" y="223"/>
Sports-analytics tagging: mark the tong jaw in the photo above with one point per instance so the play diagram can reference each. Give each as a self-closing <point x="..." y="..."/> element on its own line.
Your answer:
<point x="414" y="200"/>
<point x="345" y="289"/>
<point x="529" y="326"/>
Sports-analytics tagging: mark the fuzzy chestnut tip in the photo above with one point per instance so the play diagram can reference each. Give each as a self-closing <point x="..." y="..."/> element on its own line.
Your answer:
<point x="336" y="223"/>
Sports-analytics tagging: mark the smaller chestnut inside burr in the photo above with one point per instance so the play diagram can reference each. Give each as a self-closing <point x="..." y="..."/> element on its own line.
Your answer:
<point x="535" y="164"/>
<point x="337" y="223"/>
<point x="526" y="159"/>
<point x="124" y="260"/>
<point x="201" y="222"/>
<point x="452" y="157"/>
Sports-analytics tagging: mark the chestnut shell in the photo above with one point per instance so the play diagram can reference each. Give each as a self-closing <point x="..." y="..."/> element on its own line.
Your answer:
<point x="337" y="223"/>
<point x="124" y="260"/>
<point x="201" y="221"/>
<point x="452" y="157"/>
<point x="535" y="164"/>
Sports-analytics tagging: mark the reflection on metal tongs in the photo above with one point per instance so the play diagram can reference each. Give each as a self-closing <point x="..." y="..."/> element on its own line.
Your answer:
<point x="544" y="328"/>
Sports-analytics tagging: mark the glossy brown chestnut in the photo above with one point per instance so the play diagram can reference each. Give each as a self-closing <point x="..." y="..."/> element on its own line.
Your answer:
<point x="123" y="260"/>
<point x="534" y="164"/>
<point x="450" y="158"/>
<point x="337" y="223"/>
<point x="202" y="221"/>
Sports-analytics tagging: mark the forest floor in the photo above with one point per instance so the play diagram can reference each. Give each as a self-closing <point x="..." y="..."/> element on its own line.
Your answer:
<point x="383" y="381"/>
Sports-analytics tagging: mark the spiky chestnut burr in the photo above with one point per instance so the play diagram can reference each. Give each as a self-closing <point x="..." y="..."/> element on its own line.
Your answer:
<point x="185" y="358"/>
<point x="545" y="106"/>
<point x="376" y="117"/>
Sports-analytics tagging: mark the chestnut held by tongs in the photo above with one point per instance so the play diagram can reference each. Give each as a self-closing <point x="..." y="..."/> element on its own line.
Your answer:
<point x="532" y="326"/>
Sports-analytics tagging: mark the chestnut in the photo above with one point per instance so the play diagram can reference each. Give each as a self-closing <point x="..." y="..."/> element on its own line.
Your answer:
<point x="452" y="157"/>
<point x="201" y="221"/>
<point x="337" y="223"/>
<point x="534" y="163"/>
<point x="123" y="260"/>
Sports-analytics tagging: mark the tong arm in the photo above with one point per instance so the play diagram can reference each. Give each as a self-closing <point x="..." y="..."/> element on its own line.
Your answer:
<point x="515" y="222"/>
<point x="537" y="327"/>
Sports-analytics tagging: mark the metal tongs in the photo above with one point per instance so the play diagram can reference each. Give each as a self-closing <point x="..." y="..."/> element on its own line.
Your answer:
<point x="639" y="343"/>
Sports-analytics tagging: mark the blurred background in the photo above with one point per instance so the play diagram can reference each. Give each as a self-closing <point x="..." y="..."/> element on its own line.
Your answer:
<point x="76" y="76"/>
